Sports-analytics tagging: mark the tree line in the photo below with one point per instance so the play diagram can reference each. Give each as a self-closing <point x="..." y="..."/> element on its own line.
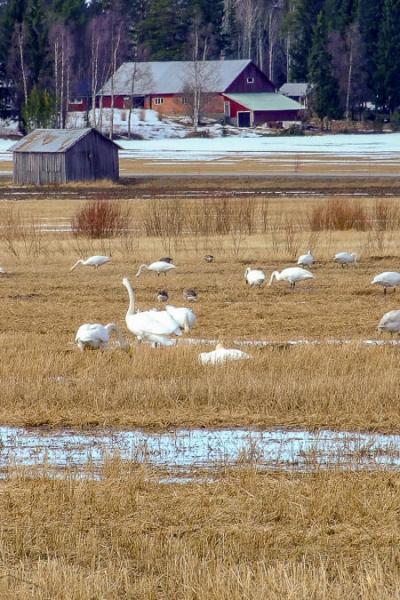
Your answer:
<point x="347" y="50"/>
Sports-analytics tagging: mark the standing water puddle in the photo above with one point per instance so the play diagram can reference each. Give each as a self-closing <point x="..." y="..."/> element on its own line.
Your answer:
<point x="184" y="449"/>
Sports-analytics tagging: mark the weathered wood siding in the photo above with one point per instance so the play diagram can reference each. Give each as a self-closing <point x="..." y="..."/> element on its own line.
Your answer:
<point x="93" y="157"/>
<point x="31" y="168"/>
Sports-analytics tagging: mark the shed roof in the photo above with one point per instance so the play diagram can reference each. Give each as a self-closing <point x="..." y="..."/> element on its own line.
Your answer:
<point x="171" y="77"/>
<point x="294" y="89"/>
<point x="52" y="140"/>
<point x="265" y="101"/>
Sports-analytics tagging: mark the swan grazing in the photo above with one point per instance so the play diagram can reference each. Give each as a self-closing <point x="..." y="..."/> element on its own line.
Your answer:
<point x="92" y="261"/>
<point x="306" y="260"/>
<point x="346" y="258"/>
<point x="160" y="266"/>
<point x="254" y="277"/>
<point x="162" y="296"/>
<point x="390" y="322"/>
<point x="388" y="279"/>
<point x="96" y="336"/>
<point x="292" y="275"/>
<point x="190" y="295"/>
<point x="151" y="325"/>
<point x="221" y="355"/>
<point x="185" y="317"/>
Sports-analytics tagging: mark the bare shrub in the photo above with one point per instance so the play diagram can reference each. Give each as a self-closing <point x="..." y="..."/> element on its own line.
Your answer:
<point x="385" y="215"/>
<point x="340" y="215"/>
<point x="18" y="235"/>
<point x="101" y="219"/>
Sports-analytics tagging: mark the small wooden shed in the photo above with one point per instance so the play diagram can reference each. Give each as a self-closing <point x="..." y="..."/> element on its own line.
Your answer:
<point x="51" y="156"/>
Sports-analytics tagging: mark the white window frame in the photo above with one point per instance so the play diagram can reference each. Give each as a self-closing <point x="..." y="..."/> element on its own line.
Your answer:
<point x="250" y="80"/>
<point x="184" y="100"/>
<point x="158" y="101"/>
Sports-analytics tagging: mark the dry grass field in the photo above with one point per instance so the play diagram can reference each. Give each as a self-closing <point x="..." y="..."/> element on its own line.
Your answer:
<point x="246" y="536"/>
<point x="44" y="379"/>
<point x="242" y="534"/>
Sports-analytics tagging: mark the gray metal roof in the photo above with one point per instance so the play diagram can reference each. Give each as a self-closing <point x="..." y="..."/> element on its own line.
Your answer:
<point x="172" y="77"/>
<point x="51" y="140"/>
<point x="298" y="90"/>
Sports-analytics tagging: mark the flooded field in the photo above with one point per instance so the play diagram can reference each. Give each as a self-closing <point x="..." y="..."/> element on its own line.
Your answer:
<point x="184" y="450"/>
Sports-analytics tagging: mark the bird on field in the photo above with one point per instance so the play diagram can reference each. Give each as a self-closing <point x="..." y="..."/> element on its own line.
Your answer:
<point x="92" y="261"/>
<point x="306" y="260"/>
<point x="152" y="325"/>
<point x="160" y="266"/>
<point x="221" y="355"/>
<point x="388" y="279"/>
<point x="254" y="277"/>
<point x="167" y="259"/>
<point x="346" y="258"/>
<point x="96" y="336"/>
<point x="185" y="317"/>
<point x="3" y="271"/>
<point x="390" y="322"/>
<point x="190" y="295"/>
<point x="162" y="296"/>
<point x="209" y="258"/>
<point x="292" y="275"/>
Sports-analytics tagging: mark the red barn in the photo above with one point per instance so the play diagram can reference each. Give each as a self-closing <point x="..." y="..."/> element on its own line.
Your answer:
<point x="236" y="90"/>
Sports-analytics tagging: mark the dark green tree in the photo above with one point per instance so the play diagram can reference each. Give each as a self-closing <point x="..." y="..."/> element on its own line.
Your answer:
<point x="39" y="111"/>
<point x="303" y="22"/>
<point x="324" y="97"/>
<point x="165" y="29"/>
<point x="37" y="53"/>
<point x="387" y="77"/>
<point x="369" y="17"/>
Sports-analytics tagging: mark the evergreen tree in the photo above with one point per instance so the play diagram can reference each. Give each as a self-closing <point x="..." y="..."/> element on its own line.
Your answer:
<point x="39" y="111"/>
<point x="37" y="54"/>
<point x="303" y="22"/>
<point x="369" y="17"/>
<point x="387" y="75"/>
<point x="324" y="97"/>
<point x="165" y="29"/>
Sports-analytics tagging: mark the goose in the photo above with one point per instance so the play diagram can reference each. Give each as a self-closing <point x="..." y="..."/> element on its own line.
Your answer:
<point x="160" y="266"/>
<point x="390" y="322"/>
<point x="151" y="325"/>
<point x="162" y="296"/>
<point x="388" y="279"/>
<point x="190" y="295"/>
<point x="96" y="336"/>
<point x="254" y="277"/>
<point x="167" y="259"/>
<point x="292" y="275"/>
<point x="92" y="261"/>
<point x="209" y="258"/>
<point x="306" y="260"/>
<point x="346" y="258"/>
<point x="185" y="317"/>
<point x="221" y="355"/>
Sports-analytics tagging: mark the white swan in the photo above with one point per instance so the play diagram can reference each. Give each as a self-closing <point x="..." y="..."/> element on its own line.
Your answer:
<point x="292" y="275"/>
<point x="388" y="279"/>
<point x="92" y="261"/>
<point x="160" y="266"/>
<point x="222" y="355"/>
<point x="182" y="315"/>
<point x="97" y="336"/>
<point x="254" y="277"/>
<point x="306" y="260"/>
<point x="390" y="322"/>
<point x="346" y="258"/>
<point x="151" y="325"/>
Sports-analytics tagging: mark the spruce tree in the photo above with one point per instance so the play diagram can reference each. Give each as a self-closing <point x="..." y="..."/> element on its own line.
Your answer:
<point x="303" y="21"/>
<point x="387" y="77"/>
<point x="324" y="96"/>
<point x="369" y="17"/>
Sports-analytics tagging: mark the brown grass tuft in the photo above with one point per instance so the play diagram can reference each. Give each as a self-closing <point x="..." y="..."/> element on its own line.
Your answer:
<point x="101" y="219"/>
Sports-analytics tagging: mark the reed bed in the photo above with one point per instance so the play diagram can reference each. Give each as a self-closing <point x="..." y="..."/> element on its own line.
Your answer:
<point x="246" y="535"/>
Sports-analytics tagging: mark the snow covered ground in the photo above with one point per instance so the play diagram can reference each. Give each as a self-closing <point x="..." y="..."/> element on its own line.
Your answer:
<point x="375" y="146"/>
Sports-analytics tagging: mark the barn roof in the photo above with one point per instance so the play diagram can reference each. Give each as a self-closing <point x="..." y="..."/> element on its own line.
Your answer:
<point x="52" y="140"/>
<point x="265" y="101"/>
<point x="171" y="77"/>
<point x="294" y="89"/>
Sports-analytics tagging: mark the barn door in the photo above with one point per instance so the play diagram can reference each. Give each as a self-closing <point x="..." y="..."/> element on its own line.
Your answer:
<point x="243" y="118"/>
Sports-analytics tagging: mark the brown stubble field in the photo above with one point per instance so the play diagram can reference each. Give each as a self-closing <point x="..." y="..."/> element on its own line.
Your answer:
<point x="241" y="534"/>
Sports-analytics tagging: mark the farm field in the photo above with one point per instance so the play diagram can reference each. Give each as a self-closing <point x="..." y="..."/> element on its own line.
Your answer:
<point x="129" y="530"/>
